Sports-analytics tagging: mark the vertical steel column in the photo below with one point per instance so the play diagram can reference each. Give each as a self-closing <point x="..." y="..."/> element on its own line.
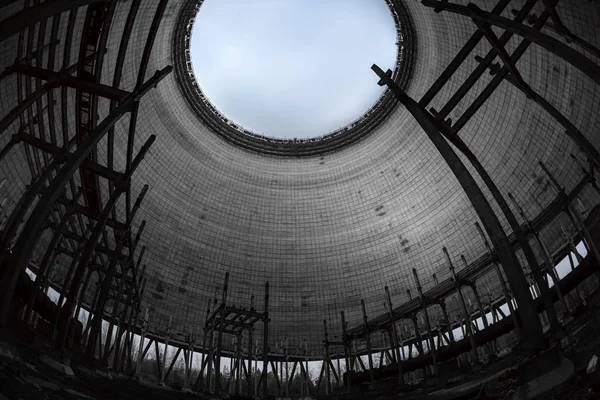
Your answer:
<point x="505" y="290"/>
<point x="239" y="361"/>
<point x="37" y="13"/>
<point x="560" y="191"/>
<point x="555" y="46"/>
<point x="326" y="361"/>
<point x="463" y="306"/>
<point x="138" y="363"/>
<point x="95" y="329"/>
<point x="427" y="323"/>
<point x="222" y="308"/>
<point x="250" y="337"/>
<point x="368" y="340"/>
<point x="266" y="342"/>
<point x="448" y="323"/>
<point x="32" y="229"/>
<point x="41" y="277"/>
<point x="164" y="358"/>
<point x="532" y="328"/>
<point x="346" y="342"/>
<point x="394" y="334"/>
<point x="551" y="270"/>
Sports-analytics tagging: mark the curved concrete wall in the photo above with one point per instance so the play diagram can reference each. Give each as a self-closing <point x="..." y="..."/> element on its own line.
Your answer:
<point x="329" y="231"/>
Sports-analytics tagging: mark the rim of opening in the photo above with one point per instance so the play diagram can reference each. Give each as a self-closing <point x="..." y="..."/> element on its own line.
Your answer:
<point x="301" y="147"/>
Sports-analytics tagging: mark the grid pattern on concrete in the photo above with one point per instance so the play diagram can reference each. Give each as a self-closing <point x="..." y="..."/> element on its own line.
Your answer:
<point x="330" y="230"/>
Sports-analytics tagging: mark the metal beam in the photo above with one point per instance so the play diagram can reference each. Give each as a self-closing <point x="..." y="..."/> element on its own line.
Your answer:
<point x="40" y="12"/>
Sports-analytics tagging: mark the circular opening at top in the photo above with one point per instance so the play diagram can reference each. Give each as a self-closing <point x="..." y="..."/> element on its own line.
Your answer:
<point x="292" y="69"/>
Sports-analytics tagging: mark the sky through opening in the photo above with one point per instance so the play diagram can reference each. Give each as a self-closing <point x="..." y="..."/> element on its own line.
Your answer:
<point x="292" y="69"/>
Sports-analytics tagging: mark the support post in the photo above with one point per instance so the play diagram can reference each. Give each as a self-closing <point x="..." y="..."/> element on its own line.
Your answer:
<point x="394" y="334"/>
<point x="266" y="342"/>
<point x="532" y="328"/>
<point x="326" y="361"/>
<point x="427" y="323"/>
<point x="368" y="340"/>
<point x="463" y="306"/>
<point x="221" y="327"/>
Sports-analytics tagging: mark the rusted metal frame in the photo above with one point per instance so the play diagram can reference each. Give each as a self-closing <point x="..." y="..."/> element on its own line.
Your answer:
<point x="167" y="338"/>
<point x="135" y="312"/>
<point x="95" y="299"/>
<point x="489" y="345"/>
<point x="159" y="368"/>
<point x="137" y="281"/>
<point x="237" y="324"/>
<point x="135" y="368"/>
<point x="487" y="60"/>
<point x="54" y="150"/>
<point x="311" y="386"/>
<point x="249" y="377"/>
<point x="252" y="313"/>
<point x="39" y="104"/>
<point x="349" y="361"/>
<point x="291" y="378"/>
<point x="266" y="341"/>
<point x="84" y="211"/>
<point x="580" y="225"/>
<point x="168" y="370"/>
<point x="120" y="61"/>
<point x="37" y="13"/>
<point x="32" y="156"/>
<point x="335" y="375"/>
<point x="503" y="284"/>
<point x="204" y="361"/>
<point x="98" y="228"/>
<point x="239" y="362"/>
<point x="95" y="330"/>
<point x="501" y="52"/>
<point x="427" y="323"/>
<point x="209" y="366"/>
<point x="462" y="55"/>
<point x="368" y="341"/>
<point x="32" y="228"/>
<point x="591" y="176"/>
<point x="221" y="329"/>
<point x="96" y="25"/>
<point x="86" y="283"/>
<point x="63" y="78"/>
<point x="503" y="73"/>
<point x="518" y="232"/>
<point x="321" y="373"/>
<point x="550" y="267"/>
<point x="393" y="332"/>
<point x="450" y="338"/>
<point x="133" y="246"/>
<point x="555" y="46"/>
<point x="51" y="65"/>
<point x="80" y="239"/>
<point x="419" y="340"/>
<point x="19" y="212"/>
<point x="131" y="309"/>
<point x="41" y="276"/>
<point x="562" y="30"/>
<point x="463" y="305"/>
<point x="326" y="360"/>
<point x="72" y="69"/>
<point x="113" y="316"/>
<point x="145" y="60"/>
<point x="531" y="326"/>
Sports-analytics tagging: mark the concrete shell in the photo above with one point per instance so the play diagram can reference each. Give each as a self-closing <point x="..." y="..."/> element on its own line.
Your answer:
<point x="330" y="230"/>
